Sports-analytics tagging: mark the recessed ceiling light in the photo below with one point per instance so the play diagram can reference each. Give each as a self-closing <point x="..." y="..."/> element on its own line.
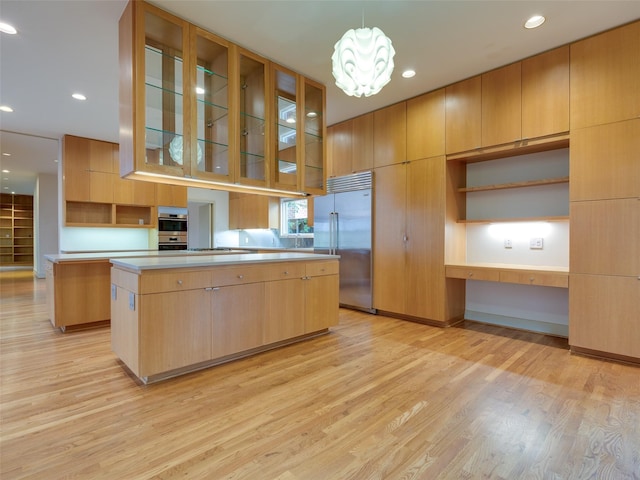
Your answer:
<point x="6" y="108"/>
<point x="199" y="90"/>
<point x="534" y="21"/>
<point x="6" y="154"/>
<point x="6" y="188"/>
<point x="409" y="73"/>
<point x="6" y="28"/>
<point x="5" y="171"/>
<point x="79" y="96"/>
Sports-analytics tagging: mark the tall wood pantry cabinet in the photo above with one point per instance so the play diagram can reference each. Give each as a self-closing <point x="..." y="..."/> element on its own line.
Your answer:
<point x="604" y="292"/>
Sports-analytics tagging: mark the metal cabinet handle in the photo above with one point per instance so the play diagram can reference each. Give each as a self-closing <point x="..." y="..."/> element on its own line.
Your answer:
<point x="531" y="279"/>
<point x="286" y="273"/>
<point x="179" y="282"/>
<point x="240" y="277"/>
<point x="471" y="274"/>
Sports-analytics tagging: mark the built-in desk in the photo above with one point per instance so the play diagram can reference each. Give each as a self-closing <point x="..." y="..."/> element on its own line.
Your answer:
<point x="545" y="276"/>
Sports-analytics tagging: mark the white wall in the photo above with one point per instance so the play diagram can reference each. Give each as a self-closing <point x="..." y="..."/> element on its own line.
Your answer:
<point x="45" y="221"/>
<point x="543" y="309"/>
<point x="220" y="199"/>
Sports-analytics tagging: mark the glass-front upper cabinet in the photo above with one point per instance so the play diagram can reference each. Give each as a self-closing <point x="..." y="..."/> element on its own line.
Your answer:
<point x="153" y="74"/>
<point x="252" y="133"/>
<point x="314" y="134"/>
<point x="287" y="121"/>
<point x="211" y="115"/>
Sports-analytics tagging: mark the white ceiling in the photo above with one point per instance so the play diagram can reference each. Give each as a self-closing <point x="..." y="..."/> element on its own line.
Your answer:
<point x="64" y="46"/>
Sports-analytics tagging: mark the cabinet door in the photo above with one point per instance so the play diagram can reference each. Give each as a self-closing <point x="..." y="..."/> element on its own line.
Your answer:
<point x="253" y="211"/>
<point x="605" y="161"/>
<point x="131" y="192"/>
<point x="287" y="146"/>
<point x="390" y="135"/>
<point x="603" y="314"/>
<point x="425" y="239"/>
<point x="362" y="143"/>
<point x="313" y="133"/>
<point x="211" y="115"/>
<point x="321" y="302"/>
<point x="175" y="330"/>
<point x="463" y="106"/>
<point x="341" y="155"/>
<point x="605" y="237"/>
<point x="238" y="313"/>
<point x="285" y="310"/>
<point x="75" y="167"/>
<point x="545" y="93"/>
<point x="171" y="195"/>
<point x="389" y="275"/>
<point x="501" y="105"/>
<point x="254" y="131"/>
<point x="605" y="77"/>
<point x="425" y="125"/>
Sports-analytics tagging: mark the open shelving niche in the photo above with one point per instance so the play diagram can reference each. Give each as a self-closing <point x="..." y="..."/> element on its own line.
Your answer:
<point x="516" y="198"/>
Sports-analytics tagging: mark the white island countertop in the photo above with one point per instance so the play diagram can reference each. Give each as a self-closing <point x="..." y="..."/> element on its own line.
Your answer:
<point x="156" y="263"/>
<point x="103" y="256"/>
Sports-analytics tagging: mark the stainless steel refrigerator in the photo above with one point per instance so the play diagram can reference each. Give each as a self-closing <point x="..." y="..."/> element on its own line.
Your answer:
<point x="342" y="226"/>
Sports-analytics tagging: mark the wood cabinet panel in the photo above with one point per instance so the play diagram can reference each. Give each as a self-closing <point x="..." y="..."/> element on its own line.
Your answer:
<point x="169" y="281"/>
<point x="321" y="294"/>
<point x="605" y="237"/>
<point x="362" y="143"/>
<point x="502" y="105"/>
<point x="285" y="310"/>
<point x="75" y="168"/>
<point x="237" y="313"/>
<point x="545" y="93"/>
<point x="463" y="106"/>
<point x="389" y="276"/>
<point x="471" y="273"/>
<point x="426" y="125"/>
<point x="605" y="161"/>
<point x="341" y="148"/>
<point x="425" y="238"/>
<point x="175" y="330"/>
<point x="390" y="135"/>
<point x="603" y="314"/>
<point x="605" y="77"/>
<point x="545" y="279"/>
<point x="253" y="211"/>
<point x="171" y="195"/>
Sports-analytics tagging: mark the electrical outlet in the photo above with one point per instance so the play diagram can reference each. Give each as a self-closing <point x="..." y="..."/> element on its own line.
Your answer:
<point x="536" y="243"/>
<point x="508" y="243"/>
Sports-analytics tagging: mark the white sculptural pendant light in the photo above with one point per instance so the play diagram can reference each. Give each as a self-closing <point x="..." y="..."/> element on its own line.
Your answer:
<point x="363" y="61"/>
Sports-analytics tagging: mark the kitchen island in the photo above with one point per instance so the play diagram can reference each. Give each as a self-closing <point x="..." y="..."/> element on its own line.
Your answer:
<point x="174" y="315"/>
<point x="78" y="285"/>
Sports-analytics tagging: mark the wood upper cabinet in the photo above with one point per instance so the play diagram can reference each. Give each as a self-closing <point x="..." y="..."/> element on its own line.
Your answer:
<point x="253" y="211"/>
<point x="390" y="135"/>
<point x="341" y="136"/>
<point x="605" y="161"/>
<point x="88" y="169"/>
<point x="131" y="192"/>
<point x="463" y="106"/>
<point x="605" y="77"/>
<point x="605" y="237"/>
<point x="603" y="324"/>
<point x="362" y="143"/>
<point x="501" y="105"/>
<point x="171" y="195"/>
<point x="545" y="93"/>
<point x="426" y="125"/>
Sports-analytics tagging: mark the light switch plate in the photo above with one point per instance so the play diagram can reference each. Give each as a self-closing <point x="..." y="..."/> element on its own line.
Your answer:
<point x="508" y="243"/>
<point x="536" y="243"/>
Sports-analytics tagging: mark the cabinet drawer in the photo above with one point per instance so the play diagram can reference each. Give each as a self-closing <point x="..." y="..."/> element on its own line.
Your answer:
<point x="547" y="279"/>
<point x="283" y="271"/>
<point x="473" y="273"/>
<point x="174" y="281"/>
<point x="238" y="275"/>
<point x="315" y="269"/>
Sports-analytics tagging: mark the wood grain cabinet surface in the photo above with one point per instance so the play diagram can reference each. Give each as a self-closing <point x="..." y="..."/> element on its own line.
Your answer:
<point x="502" y="105"/>
<point x="464" y="115"/>
<point x="390" y="135"/>
<point x="426" y="125"/>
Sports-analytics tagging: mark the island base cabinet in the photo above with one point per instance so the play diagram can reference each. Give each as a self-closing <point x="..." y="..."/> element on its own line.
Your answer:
<point x="166" y="322"/>
<point x="604" y="317"/>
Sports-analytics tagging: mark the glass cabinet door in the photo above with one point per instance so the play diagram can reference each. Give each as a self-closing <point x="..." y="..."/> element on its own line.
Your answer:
<point x="211" y="89"/>
<point x="314" y="134"/>
<point x="166" y="40"/>
<point x="287" y="119"/>
<point x="252" y="134"/>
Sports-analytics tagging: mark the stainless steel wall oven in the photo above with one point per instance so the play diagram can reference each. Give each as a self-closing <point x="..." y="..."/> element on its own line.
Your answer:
<point x="173" y="226"/>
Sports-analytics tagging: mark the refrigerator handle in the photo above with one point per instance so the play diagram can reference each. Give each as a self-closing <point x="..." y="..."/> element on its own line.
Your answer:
<point x="331" y="233"/>
<point x="336" y="230"/>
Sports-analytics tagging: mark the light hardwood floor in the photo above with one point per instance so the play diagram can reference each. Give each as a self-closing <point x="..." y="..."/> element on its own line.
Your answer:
<point x="376" y="398"/>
